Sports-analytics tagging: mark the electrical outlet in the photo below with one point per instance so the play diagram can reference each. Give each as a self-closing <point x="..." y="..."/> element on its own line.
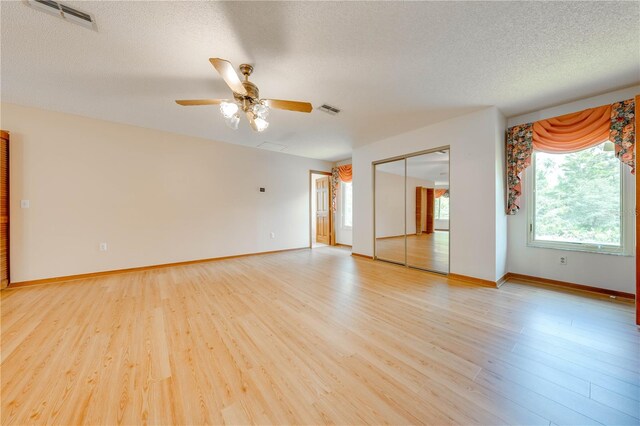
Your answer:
<point x="563" y="260"/>
<point x="24" y="204"/>
<point x="103" y="247"/>
<point x="273" y="235"/>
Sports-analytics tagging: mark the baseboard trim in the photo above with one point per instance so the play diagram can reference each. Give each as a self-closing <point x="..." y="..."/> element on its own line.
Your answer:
<point x="472" y="280"/>
<point x="20" y="284"/>
<point x="365" y="256"/>
<point x="392" y="236"/>
<point x="502" y="280"/>
<point x="556" y="283"/>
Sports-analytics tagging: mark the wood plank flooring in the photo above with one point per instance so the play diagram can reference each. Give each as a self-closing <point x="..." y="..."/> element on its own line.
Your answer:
<point x="426" y="251"/>
<point x="261" y="340"/>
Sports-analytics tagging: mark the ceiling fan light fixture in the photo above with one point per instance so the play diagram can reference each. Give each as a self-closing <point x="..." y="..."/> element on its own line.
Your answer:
<point x="233" y="121"/>
<point x="260" y="111"/>
<point x="228" y="109"/>
<point x="261" y="124"/>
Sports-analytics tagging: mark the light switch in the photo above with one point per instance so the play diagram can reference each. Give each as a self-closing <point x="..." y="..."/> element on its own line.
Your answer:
<point x="24" y="204"/>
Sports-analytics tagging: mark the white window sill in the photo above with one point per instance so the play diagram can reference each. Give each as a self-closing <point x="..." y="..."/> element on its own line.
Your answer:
<point x="578" y="247"/>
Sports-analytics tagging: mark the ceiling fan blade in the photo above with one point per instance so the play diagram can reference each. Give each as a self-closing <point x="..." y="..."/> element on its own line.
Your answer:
<point x="192" y="102"/>
<point x="228" y="74"/>
<point x="289" y="105"/>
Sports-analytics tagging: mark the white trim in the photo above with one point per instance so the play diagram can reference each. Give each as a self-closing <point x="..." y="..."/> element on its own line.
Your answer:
<point x="626" y="247"/>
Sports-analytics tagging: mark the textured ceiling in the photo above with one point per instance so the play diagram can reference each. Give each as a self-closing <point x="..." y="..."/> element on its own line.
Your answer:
<point x="390" y="66"/>
<point x="433" y="166"/>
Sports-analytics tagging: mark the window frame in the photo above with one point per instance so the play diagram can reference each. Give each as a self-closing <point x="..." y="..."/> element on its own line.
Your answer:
<point x="343" y="204"/>
<point x="626" y="247"/>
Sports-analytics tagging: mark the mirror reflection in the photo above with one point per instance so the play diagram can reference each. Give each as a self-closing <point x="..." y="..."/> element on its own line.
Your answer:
<point x="428" y="200"/>
<point x="412" y="211"/>
<point x="390" y="211"/>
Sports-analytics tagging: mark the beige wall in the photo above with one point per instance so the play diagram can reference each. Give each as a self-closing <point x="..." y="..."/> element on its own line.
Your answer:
<point x="154" y="197"/>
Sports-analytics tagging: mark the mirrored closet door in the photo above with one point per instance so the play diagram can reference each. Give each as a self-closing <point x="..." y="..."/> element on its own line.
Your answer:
<point x="412" y="210"/>
<point x="390" y="211"/>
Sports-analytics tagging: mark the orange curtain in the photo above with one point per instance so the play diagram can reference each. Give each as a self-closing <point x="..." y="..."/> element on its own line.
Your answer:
<point x="573" y="132"/>
<point x="345" y="173"/>
<point x="440" y="192"/>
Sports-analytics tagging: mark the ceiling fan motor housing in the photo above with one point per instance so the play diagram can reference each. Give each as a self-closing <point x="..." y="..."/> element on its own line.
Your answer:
<point x="252" y="91"/>
<point x="253" y="94"/>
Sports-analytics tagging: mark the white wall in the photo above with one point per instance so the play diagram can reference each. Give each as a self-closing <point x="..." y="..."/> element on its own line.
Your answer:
<point x="154" y="197"/>
<point x="598" y="270"/>
<point x="474" y="140"/>
<point x="441" y="224"/>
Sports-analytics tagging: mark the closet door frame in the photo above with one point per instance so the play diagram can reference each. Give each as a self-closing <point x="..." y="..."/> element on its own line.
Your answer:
<point x="404" y="200"/>
<point x="373" y="173"/>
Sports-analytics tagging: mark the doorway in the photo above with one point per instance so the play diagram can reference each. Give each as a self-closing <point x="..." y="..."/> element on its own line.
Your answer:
<point x="411" y="210"/>
<point x="320" y="209"/>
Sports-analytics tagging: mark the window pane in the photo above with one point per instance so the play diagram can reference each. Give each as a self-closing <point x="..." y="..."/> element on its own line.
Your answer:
<point x="444" y="207"/>
<point x="577" y="197"/>
<point x="348" y="204"/>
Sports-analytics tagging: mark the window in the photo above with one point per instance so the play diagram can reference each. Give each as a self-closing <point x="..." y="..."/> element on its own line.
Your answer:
<point x="347" y="204"/>
<point x="442" y="208"/>
<point x="578" y="201"/>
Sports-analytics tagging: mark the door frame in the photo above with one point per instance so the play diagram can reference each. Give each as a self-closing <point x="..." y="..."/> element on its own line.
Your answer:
<point x="311" y="214"/>
<point x="373" y="184"/>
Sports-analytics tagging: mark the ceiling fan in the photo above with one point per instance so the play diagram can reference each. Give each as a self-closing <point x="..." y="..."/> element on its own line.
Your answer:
<point x="246" y="97"/>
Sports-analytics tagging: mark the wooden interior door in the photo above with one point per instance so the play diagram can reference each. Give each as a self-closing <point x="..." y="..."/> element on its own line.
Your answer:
<point x="4" y="209"/>
<point x="421" y="210"/>
<point x="323" y="214"/>
<point x="431" y="203"/>
<point x="420" y="200"/>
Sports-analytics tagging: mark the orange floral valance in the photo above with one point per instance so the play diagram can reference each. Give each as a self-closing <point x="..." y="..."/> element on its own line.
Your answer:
<point x="440" y="192"/>
<point x="570" y="133"/>
<point x="573" y="132"/>
<point x="345" y="173"/>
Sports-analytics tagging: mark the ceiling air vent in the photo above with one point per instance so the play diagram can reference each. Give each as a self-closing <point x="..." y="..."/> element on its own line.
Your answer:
<point x="329" y="109"/>
<point x="65" y="12"/>
<point x="270" y="146"/>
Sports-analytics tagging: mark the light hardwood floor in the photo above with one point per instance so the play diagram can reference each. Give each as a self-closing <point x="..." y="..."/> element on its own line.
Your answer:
<point x="426" y="251"/>
<point x="312" y="337"/>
